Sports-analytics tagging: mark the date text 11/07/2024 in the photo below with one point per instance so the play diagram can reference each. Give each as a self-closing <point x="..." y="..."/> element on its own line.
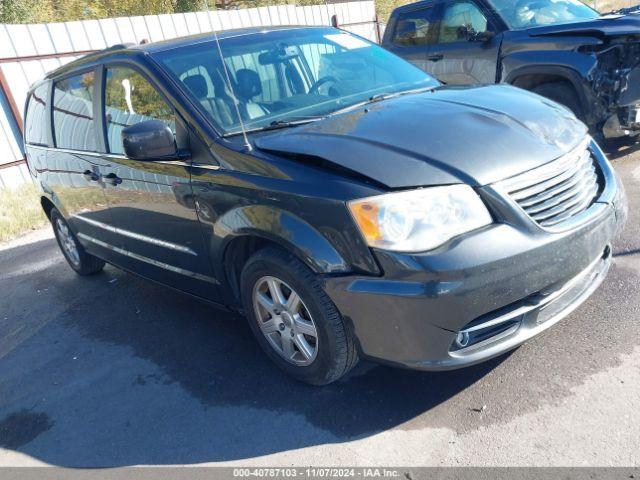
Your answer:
<point x="309" y="472"/>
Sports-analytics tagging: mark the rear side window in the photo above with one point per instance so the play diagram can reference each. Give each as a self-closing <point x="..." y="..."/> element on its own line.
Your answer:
<point x="129" y="99"/>
<point x="36" y="125"/>
<point x="412" y="28"/>
<point x="73" y="124"/>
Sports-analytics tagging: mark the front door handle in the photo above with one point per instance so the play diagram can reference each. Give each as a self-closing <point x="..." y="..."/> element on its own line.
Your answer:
<point x="112" y="179"/>
<point x="90" y="176"/>
<point x="435" y="58"/>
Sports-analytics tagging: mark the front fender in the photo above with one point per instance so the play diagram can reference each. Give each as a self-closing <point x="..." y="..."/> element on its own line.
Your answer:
<point x="285" y="229"/>
<point x="513" y="70"/>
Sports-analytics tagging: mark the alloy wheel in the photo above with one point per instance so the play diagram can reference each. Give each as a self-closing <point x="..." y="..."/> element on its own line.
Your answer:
<point x="285" y="321"/>
<point x="67" y="242"/>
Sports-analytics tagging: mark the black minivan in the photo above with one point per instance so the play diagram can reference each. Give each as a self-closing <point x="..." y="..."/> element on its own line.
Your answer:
<point x="342" y="199"/>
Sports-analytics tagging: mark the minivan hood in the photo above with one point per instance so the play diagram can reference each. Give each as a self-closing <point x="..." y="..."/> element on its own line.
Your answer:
<point x="605" y="26"/>
<point x="474" y="135"/>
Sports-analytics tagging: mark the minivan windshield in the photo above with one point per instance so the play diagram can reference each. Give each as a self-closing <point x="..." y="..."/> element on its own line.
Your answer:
<point x="519" y="14"/>
<point x="285" y="77"/>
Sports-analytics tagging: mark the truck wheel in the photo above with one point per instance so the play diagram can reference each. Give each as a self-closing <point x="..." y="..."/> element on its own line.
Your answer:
<point x="77" y="257"/>
<point x="561" y="93"/>
<point x="294" y="320"/>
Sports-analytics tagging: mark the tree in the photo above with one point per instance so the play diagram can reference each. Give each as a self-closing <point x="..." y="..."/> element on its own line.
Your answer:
<point x="43" y="11"/>
<point x="26" y="11"/>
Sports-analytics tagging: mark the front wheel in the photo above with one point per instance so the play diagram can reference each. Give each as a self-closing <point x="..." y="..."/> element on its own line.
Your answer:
<point x="562" y="93"/>
<point x="77" y="257"/>
<point x="294" y="320"/>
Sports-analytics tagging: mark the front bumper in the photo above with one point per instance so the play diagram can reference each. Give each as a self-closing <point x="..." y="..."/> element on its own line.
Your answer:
<point x="624" y="118"/>
<point x="624" y="122"/>
<point x="527" y="277"/>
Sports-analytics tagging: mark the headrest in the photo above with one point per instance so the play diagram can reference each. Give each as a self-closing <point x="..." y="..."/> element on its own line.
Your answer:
<point x="248" y="84"/>
<point x="198" y="86"/>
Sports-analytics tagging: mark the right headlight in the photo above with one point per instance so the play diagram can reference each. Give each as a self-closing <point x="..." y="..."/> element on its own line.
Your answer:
<point x="419" y="220"/>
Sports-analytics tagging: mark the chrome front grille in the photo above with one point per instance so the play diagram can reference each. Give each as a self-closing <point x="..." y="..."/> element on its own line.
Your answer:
<point x="556" y="191"/>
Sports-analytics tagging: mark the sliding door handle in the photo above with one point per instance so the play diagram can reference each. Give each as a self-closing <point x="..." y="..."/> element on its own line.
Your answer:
<point x="90" y="176"/>
<point x="112" y="179"/>
<point x="435" y="58"/>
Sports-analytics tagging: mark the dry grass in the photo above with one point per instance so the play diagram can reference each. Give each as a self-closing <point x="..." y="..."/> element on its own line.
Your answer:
<point x="20" y="211"/>
<point x="608" y="5"/>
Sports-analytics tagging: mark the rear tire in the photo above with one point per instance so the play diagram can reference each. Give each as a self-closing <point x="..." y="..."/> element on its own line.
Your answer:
<point x="323" y="348"/>
<point x="563" y="94"/>
<point x="77" y="257"/>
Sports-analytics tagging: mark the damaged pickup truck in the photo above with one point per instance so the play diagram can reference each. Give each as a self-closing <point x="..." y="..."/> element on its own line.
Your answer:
<point x="560" y="49"/>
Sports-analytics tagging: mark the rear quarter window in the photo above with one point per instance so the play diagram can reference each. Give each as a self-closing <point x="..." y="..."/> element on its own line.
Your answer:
<point x="73" y="124"/>
<point x="36" y="119"/>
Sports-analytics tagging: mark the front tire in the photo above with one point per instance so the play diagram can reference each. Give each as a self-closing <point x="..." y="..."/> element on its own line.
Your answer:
<point x="77" y="257"/>
<point x="294" y="320"/>
<point x="561" y="93"/>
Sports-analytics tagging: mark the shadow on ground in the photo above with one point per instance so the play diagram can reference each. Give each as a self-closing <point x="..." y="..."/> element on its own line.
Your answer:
<point x="617" y="148"/>
<point x="120" y="371"/>
<point x="112" y="370"/>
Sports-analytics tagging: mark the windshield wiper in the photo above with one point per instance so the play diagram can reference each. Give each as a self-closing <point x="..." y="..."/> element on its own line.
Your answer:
<point x="289" y="123"/>
<point x="379" y="97"/>
<point x="278" y="124"/>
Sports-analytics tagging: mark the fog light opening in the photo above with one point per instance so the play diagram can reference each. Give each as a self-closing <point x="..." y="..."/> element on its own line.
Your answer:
<point x="462" y="339"/>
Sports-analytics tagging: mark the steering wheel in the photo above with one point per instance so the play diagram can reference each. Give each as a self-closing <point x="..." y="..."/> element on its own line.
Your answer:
<point x="321" y="81"/>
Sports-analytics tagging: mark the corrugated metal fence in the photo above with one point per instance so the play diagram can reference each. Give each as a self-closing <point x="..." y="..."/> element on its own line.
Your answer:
<point x="27" y="52"/>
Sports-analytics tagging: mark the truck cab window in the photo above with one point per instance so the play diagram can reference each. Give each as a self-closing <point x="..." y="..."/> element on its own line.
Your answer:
<point x="460" y="18"/>
<point x="412" y="28"/>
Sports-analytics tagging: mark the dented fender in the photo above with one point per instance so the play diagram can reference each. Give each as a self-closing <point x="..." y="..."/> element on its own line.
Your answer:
<point x="283" y="228"/>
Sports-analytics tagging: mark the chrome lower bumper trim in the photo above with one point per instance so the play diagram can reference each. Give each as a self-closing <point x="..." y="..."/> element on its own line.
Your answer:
<point x="545" y="310"/>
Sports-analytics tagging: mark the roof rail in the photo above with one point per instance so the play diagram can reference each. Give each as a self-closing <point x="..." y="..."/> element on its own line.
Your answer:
<point x="119" y="46"/>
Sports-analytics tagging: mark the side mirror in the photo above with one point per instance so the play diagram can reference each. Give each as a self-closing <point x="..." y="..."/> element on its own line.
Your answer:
<point x="472" y="36"/>
<point x="483" y="37"/>
<point x="150" y="140"/>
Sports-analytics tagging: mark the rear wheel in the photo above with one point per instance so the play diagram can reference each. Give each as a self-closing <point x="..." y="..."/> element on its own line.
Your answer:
<point x="294" y="320"/>
<point x="77" y="257"/>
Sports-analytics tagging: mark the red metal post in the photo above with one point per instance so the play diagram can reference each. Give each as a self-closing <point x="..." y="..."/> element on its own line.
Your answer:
<point x="15" y="111"/>
<point x="46" y="56"/>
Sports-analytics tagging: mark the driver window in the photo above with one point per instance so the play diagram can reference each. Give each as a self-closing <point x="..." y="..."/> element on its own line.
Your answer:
<point x="458" y="18"/>
<point x="130" y="99"/>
